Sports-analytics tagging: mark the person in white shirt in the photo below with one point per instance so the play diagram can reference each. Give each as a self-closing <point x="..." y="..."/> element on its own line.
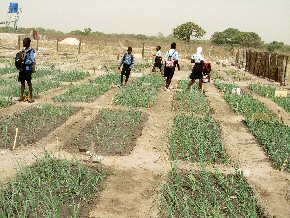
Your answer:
<point x="197" y="70"/>
<point x="158" y="59"/>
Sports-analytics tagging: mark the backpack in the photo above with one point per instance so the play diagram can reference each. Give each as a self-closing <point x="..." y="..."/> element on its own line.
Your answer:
<point x="169" y="63"/>
<point x="19" y="60"/>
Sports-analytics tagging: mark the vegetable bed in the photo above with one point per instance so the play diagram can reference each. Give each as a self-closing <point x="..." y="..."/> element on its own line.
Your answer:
<point x="272" y="134"/>
<point x="140" y="93"/>
<point x="113" y="131"/>
<point x="33" y="124"/>
<point x="269" y="91"/>
<point x="51" y="188"/>
<point x="90" y="91"/>
<point x="204" y="194"/>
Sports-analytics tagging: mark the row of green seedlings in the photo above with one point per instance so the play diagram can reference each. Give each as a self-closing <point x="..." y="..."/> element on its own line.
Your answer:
<point x="196" y="135"/>
<point x="113" y="132"/>
<point x="270" y="131"/>
<point x="205" y="194"/>
<point x="52" y="188"/>
<point x="33" y="123"/>
<point x="269" y="91"/>
<point x="90" y="91"/>
<point x="141" y="93"/>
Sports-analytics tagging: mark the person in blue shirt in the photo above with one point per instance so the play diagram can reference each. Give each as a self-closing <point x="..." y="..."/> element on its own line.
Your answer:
<point x="28" y="68"/>
<point x="158" y="59"/>
<point x="128" y="64"/>
<point x="171" y="61"/>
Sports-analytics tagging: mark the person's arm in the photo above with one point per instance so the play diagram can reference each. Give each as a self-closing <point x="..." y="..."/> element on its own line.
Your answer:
<point x="122" y="62"/>
<point x="132" y="62"/>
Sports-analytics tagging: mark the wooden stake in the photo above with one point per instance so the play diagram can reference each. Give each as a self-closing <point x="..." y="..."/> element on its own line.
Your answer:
<point x="37" y="44"/>
<point x="143" y="50"/>
<point x="15" y="139"/>
<point x="19" y="42"/>
<point x="57" y="44"/>
<point x="80" y="43"/>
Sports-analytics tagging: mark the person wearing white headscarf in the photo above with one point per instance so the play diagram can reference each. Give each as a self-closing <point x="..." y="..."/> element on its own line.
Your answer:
<point x="197" y="70"/>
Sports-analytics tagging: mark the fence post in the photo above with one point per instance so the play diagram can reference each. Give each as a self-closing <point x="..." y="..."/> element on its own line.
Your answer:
<point x="80" y="43"/>
<point x="57" y="44"/>
<point x="37" y="44"/>
<point x="19" y="42"/>
<point x="143" y="50"/>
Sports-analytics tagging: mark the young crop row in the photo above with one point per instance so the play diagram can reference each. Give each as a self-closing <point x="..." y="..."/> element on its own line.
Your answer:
<point x="71" y="76"/>
<point x="89" y="92"/>
<point x="141" y="93"/>
<point x="205" y="194"/>
<point x="269" y="91"/>
<point x="273" y="135"/>
<point x="51" y="188"/>
<point x="7" y="70"/>
<point x="33" y="124"/>
<point x="113" y="132"/>
<point x="196" y="135"/>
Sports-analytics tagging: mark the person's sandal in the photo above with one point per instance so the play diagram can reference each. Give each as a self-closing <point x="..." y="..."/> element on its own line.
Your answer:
<point x="20" y="99"/>
<point x="30" y="101"/>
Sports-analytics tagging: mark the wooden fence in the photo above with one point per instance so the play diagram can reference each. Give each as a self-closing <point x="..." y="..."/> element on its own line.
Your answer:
<point x="264" y="64"/>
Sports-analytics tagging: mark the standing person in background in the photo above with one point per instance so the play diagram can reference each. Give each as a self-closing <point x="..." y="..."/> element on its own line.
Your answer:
<point x="28" y="67"/>
<point x="197" y="70"/>
<point x="171" y="61"/>
<point x="158" y="59"/>
<point x="128" y="63"/>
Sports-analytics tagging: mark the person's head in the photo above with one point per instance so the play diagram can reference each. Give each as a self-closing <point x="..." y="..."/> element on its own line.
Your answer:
<point x="158" y="48"/>
<point x="129" y="50"/>
<point x="26" y="42"/>
<point x="199" y="50"/>
<point x="173" y="45"/>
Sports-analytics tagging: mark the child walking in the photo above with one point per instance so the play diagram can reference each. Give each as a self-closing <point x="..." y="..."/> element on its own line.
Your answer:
<point x="128" y="63"/>
<point x="158" y="59"/>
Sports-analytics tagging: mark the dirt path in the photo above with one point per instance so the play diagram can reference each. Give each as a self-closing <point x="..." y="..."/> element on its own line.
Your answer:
<point x="271" y="186"/>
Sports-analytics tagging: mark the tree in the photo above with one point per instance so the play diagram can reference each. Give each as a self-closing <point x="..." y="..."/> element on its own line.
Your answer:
<point x="187" y="30"/>
<point x="233" y="37"/>
<point x="273" y="46"/>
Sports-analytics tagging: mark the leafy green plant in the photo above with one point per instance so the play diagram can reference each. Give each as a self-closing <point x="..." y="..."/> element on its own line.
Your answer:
<point x="204" y="194"/>
<point x="51" y="188"/>
<point x="141" y="92"/>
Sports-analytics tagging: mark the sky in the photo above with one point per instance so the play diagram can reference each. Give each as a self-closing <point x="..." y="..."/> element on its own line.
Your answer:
<point x="269" y="18"/>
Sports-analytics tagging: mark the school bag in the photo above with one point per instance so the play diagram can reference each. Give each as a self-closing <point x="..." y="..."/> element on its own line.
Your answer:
<point x="19" y="60"/>
<point x="169" y="63"/>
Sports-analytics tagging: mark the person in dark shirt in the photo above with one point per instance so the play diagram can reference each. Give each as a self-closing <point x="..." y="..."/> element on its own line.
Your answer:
<point x="128" y="64"/>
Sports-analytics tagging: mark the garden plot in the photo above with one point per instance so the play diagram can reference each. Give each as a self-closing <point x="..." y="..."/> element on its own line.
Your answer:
<point x="33" y="123"/>
<point x="142" y="93"/>
<point x="113" y="132"/>
<point x="90" y="91"/>
<point x="52" y="188"/>
<point x="196" y="135"/>
<point x="204" y="194"/>
<point x="269" y="91"/>
<point x="273" y="135"/>
<point x="71" y="76"/>
<point x="8" y="70"/>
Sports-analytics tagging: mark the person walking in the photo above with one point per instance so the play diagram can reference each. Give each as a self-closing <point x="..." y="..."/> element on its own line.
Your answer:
<point x="158" y="59"/>
<point x="128" y="64"/>
<point x="171" y="61"/>
<point x="197" y="70"/>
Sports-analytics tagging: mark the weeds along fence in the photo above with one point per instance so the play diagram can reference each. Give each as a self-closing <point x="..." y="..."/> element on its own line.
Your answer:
<point x="264" y="64"/>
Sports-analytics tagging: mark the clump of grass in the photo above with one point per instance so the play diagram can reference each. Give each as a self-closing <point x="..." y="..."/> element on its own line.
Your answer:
<point x="204" y="194"/>
<point x="51" y="188"/>
<point x="71" y="76"/>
